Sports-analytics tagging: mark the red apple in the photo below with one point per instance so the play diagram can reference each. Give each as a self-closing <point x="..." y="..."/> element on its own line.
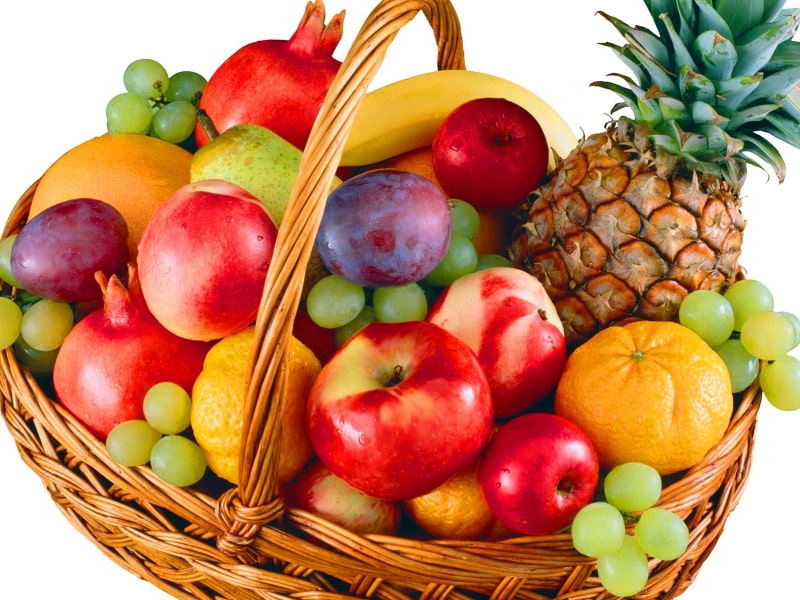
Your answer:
<point x="203" y="259"/>
<point x="319" y="491"/>
<point x="537" y="472"/>
<point x="505" y="315"/>
<point x="490" y="152"/>
<point x="399" y="408"/>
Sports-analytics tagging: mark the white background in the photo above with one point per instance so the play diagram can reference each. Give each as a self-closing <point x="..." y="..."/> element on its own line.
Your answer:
<point x="61" y="62"/>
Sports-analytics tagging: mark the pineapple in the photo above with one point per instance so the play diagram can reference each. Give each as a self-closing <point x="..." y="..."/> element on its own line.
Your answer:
<point x="641" y="214"/>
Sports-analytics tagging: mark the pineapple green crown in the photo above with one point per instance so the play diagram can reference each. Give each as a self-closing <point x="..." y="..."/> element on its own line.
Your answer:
<point x="716" y="77"/>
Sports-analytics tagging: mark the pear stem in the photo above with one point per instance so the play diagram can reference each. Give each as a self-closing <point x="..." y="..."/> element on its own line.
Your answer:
<point x="207" y="124"/>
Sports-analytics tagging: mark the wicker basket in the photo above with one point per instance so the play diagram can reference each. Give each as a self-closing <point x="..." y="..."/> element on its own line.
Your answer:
<point x="246" y="543"/>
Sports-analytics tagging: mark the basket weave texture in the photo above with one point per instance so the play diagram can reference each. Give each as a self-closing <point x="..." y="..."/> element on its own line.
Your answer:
<point x="245" y="543"/>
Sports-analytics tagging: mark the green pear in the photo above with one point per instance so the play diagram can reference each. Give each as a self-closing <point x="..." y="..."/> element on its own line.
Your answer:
<point x="255" y="158"/>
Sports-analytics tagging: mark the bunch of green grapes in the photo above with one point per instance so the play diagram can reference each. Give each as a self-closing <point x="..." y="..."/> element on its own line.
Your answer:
<point x="752" y="338"/>
<point x="157" y="439"/>
<point x="335" y="303"/>
<point x="156" y="103"/>
<point x="599" y="529"/>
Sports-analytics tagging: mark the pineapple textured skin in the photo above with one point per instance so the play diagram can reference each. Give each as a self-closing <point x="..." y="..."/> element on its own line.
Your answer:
<point x="614" y="234"/>
<point x="638" y="216"/>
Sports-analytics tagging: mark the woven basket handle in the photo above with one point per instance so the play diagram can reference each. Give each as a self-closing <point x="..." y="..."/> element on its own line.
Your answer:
<point x="257" y="500"/>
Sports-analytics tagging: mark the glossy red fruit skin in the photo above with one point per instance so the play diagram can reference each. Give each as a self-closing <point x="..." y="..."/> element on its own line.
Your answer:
<point x="505" y="315"/>
<point x="278" y="84"/>
<point x="114" y="354"/>
<point x="490" y="152"/>
<point x="319" y="491"/>
<point x="399" y="409"/>
<point x="537" y="472"/>
<point x="203" y="259"/>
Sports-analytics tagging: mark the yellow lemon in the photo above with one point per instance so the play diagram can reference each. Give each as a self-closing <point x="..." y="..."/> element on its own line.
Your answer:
<point x="218" y="398"/>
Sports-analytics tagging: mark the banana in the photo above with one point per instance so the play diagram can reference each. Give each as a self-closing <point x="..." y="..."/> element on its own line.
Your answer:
<point x="405" y="115"/>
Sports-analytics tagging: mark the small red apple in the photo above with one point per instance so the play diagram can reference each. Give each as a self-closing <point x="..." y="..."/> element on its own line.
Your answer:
<point x="319" y="491"/>
<point x="505" y="315"/>
<point x="490" y="152"/>
<point x="537" y="472"/>
<point x="203" y="259"/>
<point x="400" y="408"/>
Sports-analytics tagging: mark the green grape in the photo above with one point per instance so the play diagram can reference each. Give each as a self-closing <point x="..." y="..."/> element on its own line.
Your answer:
<point x="46" y="323"/>
<point x="780" y="382"/>
<point x="767" y="335"/>
<point x="624" y="572"/>
<point x="742" y="366"/>
<point x="746" y="297"/>
<point x="5" y="261"/>
<point x="167" y="407"/>
<point x="146" y="78"/>
<point x="487" y="261"/>
<point x="708" y="314"/>
<point x="174" y="122"/>
<point x="128" y="113"/>
<point x="10" y="322"/>
<point x="632" y="486"/>
<point x="333" y="301"/>
<point x="796" y="323"/>
<point x="346" y="331"/>
<point x="131" y="442"/>
<point x="661" y="533"/>
<point x="598" y="528"/>
<point x="185" y="85"/>
<point x="38" y="362"/>
<point x="466" y="220"/>
<point x="401" y="303"/>
<point x="178" y="460"/>
<point x="460" y="259"/>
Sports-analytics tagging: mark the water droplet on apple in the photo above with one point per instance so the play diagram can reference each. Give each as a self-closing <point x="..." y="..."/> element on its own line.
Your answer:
<point x="363" y="439"/>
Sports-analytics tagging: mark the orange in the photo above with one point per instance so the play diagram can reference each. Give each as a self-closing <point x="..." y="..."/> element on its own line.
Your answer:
<point x="133" y="173"/>
<point x="494" y="233"/>
<point x="218" y="397"/>
<point x="456" y="510"/>
<point x="649" y="391"/>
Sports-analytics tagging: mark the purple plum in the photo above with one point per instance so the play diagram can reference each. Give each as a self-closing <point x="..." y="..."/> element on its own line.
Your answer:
<point x="384" y="228"/>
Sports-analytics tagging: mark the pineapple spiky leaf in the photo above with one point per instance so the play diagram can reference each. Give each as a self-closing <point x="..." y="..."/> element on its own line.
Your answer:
<point x="650" y="209"/>
<point x="732" y="63"/>
<point x="758" y="46"/>
<point x="732" y="93"/>
<point x="760" y="147"/>
<point x="716" y="53"/>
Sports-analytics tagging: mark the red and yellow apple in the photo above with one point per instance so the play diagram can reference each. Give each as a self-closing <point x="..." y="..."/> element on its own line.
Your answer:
<point x="319" y="491"/>
<point x="506" y="317"/>
<point x="203" y="259"/>
<point x="399" y="409"/>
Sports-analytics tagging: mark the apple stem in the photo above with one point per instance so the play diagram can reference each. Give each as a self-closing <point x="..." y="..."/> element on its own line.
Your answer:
<point x="397" y="376"/>
<point x="207" y="124"/>
<point x="503" y="138"/>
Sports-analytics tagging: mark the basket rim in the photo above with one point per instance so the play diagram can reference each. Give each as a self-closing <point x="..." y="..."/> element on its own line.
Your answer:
<point x="66" y="455"/>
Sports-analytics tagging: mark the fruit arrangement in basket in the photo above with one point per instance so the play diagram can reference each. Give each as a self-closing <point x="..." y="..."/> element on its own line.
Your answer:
<point x="500" y="331"/>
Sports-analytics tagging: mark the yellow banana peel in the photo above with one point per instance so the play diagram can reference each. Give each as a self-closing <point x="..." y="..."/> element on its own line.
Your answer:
<point x="405" y="115"/>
